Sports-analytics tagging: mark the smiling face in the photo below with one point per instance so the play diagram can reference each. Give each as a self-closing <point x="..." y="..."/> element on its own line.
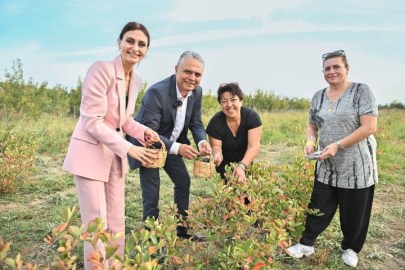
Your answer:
<point x="231" y="105"/>
<point x="133" y="46"/>
<point x="188" y="75"/>
<point x="335" y="72"/>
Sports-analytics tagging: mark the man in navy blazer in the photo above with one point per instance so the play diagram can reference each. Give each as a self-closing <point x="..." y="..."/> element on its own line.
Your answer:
<point x="171" y="107"/>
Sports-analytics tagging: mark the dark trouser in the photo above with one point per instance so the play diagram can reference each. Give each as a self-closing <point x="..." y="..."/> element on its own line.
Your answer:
<point x="221" y="170"/>
<point x="150" y="184"/>
<point x="354" y="208"/>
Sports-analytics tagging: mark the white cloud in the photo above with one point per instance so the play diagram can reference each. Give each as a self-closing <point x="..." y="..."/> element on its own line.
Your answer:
<point x="97" y="52"/>
<point x="211" y="10"/>
<point x="270" y="28"/>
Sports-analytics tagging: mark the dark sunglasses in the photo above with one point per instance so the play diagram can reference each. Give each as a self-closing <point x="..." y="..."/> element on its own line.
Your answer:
<point x="335" y="53"/>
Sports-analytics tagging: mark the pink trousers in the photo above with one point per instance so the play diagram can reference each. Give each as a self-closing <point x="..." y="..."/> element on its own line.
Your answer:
<point x="105" y="200"/>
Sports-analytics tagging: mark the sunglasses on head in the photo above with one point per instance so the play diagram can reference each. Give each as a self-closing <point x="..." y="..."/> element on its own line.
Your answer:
<point x="226" y="84"/>
<point x="335" y="53"/>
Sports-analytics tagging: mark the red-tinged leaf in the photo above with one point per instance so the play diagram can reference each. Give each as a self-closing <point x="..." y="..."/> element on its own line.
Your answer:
<point x="84" y="236"/>
<point x="95" y="255"/>
<point x="95" y="262"/>
<point x="61" y="227"/>
<point x="258" y="265"/>
<point x="4" y="250"/>
<point x="249" y="260"/>
<point x="177" y="259"/>
<point x="152" y="250"/>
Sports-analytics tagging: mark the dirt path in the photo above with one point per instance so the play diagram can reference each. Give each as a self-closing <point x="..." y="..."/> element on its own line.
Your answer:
<point x="36" y="202"/>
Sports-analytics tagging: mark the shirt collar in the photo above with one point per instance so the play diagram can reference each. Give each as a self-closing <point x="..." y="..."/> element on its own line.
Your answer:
<point x="179" y="96"/>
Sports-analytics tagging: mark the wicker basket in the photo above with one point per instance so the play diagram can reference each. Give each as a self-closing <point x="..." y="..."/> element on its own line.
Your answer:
<point x="162" y="154"/>
<point x="204" y="169"/>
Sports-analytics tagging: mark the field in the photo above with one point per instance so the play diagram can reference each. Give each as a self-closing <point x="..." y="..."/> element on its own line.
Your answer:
<point x="27" y="216"/>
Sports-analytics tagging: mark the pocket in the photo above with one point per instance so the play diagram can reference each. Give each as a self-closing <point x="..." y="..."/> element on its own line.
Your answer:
<point x="84" y="136"/>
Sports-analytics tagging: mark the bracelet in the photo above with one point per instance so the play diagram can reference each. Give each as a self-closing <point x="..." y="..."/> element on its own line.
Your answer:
<point x="214" y="153"/>
<point x="311" y="143"/>
<point x="339" y="144"/>
<point x="243" y="166"/>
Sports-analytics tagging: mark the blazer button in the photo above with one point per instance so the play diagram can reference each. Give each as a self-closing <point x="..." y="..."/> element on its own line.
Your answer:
<point x="118" y="129"/>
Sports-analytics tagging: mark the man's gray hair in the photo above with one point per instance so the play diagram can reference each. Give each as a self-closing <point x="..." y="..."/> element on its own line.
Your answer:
<point x="192" y="55"/>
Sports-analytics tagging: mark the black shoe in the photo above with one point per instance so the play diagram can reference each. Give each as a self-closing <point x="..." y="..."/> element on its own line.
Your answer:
<point x="192" y="237"/>
<point x="258" y="223"/>
<point x="160" y="255"/>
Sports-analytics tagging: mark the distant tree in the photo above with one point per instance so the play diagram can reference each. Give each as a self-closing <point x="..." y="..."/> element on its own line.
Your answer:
<point x="75" y="96"/>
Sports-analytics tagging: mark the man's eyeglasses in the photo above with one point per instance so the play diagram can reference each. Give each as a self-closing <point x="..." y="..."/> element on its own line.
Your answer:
<point x="335" y="53"/>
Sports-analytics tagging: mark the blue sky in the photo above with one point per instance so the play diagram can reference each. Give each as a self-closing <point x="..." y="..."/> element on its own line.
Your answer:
<point x="271" y="45"/>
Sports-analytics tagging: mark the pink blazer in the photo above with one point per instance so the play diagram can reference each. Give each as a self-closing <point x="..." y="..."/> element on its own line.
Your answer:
<point x="99" y="133"/>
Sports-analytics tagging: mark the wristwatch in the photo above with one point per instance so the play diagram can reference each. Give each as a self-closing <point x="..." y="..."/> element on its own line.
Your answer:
<point x="339" y="144"/>
<point x="243" y="166"/>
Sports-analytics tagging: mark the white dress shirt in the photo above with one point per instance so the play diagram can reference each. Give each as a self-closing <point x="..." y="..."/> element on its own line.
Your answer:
<point x="179" y="123"/>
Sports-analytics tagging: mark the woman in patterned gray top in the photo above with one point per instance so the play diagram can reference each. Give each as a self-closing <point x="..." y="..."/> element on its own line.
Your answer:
<point x="344" y="117"/>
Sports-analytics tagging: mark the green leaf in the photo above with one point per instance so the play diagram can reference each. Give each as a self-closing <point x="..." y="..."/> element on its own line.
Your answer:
<point x="66" y="214"/>
<point x="135" y="236"/>
<point x="73" y="214"/>
<point x="110" y="250"/>
<point x="92" y="227"/>
<point x="161" y="244"/>
<point x="129" y="246"/>
<point x="75" y="231"/>
<point x="154" y="239"/>
<point x="10" y="262"/>
<point x="5" y="249"/>
<point x="118" y="235"/>
<point x="100" y="222"/>
<point x="247" y="245"/>
<point x="146" y="257"/>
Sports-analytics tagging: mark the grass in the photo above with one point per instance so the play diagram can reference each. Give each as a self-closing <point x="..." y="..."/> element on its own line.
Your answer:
<point x="26" y="217"/>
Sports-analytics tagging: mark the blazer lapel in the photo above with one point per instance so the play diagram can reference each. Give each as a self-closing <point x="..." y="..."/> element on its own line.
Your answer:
<point x="134" y="88"/>
<point x="119" y="69"/>
<point x="190" y="105"/>
<point x="173" y="97"/>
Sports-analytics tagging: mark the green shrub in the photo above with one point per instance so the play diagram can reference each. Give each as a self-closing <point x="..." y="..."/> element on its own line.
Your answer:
<point x="17" y="156"/>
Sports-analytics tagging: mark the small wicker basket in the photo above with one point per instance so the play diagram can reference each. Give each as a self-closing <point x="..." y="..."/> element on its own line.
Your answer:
<point x="162" y="154"/>
<point x="202" y="168"/>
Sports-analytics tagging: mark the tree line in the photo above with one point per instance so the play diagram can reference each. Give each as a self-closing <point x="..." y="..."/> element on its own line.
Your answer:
<point x="19" y="97"/>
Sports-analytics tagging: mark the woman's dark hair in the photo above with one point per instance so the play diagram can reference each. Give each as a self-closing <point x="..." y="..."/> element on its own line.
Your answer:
<point x="232" y="88"/>
<point x="131" y="26"/>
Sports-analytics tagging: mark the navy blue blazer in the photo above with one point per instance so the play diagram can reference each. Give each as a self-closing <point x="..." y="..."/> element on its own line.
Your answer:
<point x="157" y="112"/>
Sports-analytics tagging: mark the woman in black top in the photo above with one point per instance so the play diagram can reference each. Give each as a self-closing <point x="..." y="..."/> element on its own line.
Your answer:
<point x="234" y="132"/>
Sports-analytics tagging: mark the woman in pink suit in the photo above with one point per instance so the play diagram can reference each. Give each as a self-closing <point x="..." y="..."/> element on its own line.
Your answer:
<point x="97" y="154"/>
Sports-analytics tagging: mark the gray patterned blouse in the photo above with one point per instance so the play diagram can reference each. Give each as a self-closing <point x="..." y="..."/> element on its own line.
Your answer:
<point x="353" y="167"/>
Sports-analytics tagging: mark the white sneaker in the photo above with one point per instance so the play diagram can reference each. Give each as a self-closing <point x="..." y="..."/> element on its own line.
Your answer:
<point x="350" y="257"/>
<point x="300" y="250"/>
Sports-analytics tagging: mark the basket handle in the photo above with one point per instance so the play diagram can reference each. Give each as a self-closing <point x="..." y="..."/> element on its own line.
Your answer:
<point x="210" y="156"/>
<point x="163" y="147"/>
